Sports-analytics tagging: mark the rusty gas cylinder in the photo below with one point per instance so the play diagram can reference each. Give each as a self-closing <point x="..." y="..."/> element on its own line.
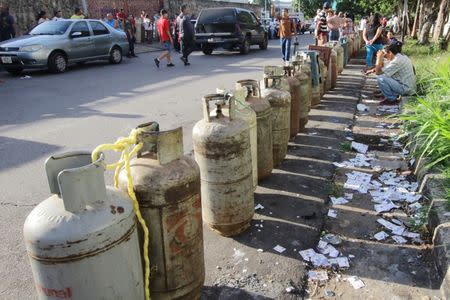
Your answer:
<point x="280" y="101"/>
<point x="305" y="68"/>
<point x="223" y="153"/>
<point x="340" y="56"/>
<point x="305" y="100"/>
<point x="167" y="186"/>
<point x="334" y="71"/>
<point x="263" y="123"/>
<point x="323" y="76"/>
<point x="246" y="113"/>
<point x="294" y="89"/>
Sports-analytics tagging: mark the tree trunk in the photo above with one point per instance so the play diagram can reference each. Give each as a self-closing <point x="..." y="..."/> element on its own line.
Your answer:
<point x="421" y="16"/>
<point x="429" y="16"/>
<point x="416" y="21"/>
<point x="440" y="22"/>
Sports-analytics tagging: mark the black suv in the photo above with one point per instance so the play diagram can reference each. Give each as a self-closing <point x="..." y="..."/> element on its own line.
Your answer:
<point x="229" y="27"/>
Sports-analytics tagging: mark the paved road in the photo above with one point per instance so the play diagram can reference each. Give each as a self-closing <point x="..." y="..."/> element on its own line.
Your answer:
<point x="84" y="107"/>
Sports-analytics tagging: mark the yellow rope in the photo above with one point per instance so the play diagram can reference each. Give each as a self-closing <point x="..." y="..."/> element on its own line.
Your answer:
<point x="123" y="145"/>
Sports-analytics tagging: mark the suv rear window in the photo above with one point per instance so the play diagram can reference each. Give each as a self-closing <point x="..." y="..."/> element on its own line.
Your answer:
<point x="209" y="16"/>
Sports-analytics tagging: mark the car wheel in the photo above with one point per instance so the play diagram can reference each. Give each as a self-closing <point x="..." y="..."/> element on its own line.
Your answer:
<point x="115" y="57"/>
<point x="14" y="71"/>
<point x="244" y="48"/>
<point x="57" y="62"/>
<point x="263" y="45"/>
<point x="207" y="49"/>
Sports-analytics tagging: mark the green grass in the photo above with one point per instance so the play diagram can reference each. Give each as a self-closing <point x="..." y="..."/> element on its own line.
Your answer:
<point x="427" y="117"/>
<point x="345" y="146"/>
<point x="335" y="190"/>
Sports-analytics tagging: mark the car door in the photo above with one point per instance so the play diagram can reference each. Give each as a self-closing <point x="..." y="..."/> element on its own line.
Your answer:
<point x="259" y="28"/>
<point x="102" y="38"/>
<point x="81" y="43"/>
<point x="246" y="23"/>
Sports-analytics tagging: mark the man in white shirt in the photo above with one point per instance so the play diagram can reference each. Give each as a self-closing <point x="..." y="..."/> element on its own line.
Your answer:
<point x="57" y="16"/>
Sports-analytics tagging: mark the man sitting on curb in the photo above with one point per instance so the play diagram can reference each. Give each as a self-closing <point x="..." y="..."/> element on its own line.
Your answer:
<point x="397" y="78"/>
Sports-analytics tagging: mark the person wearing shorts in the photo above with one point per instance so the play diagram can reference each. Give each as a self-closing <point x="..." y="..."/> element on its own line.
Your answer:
<point x="163" y="27"/>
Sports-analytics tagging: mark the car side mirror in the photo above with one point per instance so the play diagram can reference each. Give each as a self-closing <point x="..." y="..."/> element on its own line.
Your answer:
<point x="75" y="34"/>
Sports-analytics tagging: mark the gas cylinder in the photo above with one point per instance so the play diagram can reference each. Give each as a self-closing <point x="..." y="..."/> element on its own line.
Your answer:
<point x="222" y="151"/>
<point x="280" y="101"/>
<point x="246" y="113"/>
<point x="305" y="68"/>
<point x="294" y="90"/>
<point x="328" y="81"/>
<point x="323" y="77"/>
<point x="350" y="45"/>
<point x="82" y="241"/>
<point x="263" y="124"/>
<point x="167" y="186"/>
<point x="315" y="76"/>
<point x="340" y="56"/>
<point x="305" y="100"/>
<point x="333" y="65"/>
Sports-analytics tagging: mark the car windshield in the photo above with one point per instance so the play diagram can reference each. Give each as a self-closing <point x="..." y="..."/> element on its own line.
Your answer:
<point x="51" y="28"/>
<point x="209" y="16"/>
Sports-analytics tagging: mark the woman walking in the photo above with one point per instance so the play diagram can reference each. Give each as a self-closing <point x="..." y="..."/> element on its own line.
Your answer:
<point x="372" y="36"/>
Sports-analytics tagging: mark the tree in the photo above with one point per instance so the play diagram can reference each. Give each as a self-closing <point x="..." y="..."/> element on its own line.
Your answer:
<point x="308" y="7"/>
<point x="438" y="28"/>
<point x="429" y="16"/>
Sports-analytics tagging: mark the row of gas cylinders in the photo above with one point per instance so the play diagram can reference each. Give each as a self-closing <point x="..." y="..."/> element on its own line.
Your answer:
<point x="84" y="243"/>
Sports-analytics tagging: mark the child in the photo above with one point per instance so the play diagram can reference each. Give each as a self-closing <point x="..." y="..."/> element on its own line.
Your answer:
<point x="391" y="37"/>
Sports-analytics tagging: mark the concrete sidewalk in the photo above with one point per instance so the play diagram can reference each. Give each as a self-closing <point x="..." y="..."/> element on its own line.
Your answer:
<point x="140" y="48"/>
<point x="296" y="203"/>
<point x="294" y="200"/>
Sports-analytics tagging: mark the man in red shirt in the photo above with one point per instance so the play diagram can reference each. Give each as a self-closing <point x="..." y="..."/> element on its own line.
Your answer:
<point x="165" y="37"/>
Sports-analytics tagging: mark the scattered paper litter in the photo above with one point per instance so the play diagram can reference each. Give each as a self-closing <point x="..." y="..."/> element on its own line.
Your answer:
<point x="260" y="250"/>
<point x="329" y="250"/>
<point x="279" y="249"/>
<point x="26" y="77"/>
<point x="348" y="138"/>
<point x="322" y="245"/>
<point x="332" y="213"/>
<point x="398" y="230"/>
<point x="398" y="239"/>
<point x="321" y="275"/>
<point x="356" y="282"/>
<point x="379" y="236"/>
<point x="320" y="260"/>
<point x="412" y="235"/>
<point x="385" y="206"/>
<point x="359" y="147"/>
<point x="259" y="206"/>
<point x="338" y="201"/>
<point x="307" y="254"/>
<point x="362" y="107"/>
<point x="415" y="206"/>
<point x="342" y="262"/>
<point x="358" y="181"/>
<point x="290" y="289"/>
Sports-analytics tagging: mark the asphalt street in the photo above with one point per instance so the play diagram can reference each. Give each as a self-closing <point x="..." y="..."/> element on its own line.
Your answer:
<point x="87" y="106"/>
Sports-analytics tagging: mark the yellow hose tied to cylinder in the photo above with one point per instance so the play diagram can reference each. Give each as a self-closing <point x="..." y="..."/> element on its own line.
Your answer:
<point x="128" y="147"/>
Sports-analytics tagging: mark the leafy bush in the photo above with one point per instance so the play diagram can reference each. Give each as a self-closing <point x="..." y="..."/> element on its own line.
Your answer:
<point x="427" y="120"/>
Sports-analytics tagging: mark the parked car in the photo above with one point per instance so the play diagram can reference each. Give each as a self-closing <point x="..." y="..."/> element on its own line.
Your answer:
<point x="229" y="27"/>
<point x="55" y="44"/>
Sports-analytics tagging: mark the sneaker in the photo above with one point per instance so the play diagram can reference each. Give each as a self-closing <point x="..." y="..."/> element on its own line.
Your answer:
<point x="388" y="102"/>
<point x="157" y="62"/>
<point x="183" y="59"/>
<point x="170" y="65"/>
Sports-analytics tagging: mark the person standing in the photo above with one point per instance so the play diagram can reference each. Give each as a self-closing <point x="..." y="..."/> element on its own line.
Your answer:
<point x="186" y="34"/>
<point x="7" y="24"/>
<point x="78" y="14"/>
<point x="334" y="24"/>
<point x="131" y="35"/>
<point x="112" y="22"/>
<point x="41" y="17"/>
<point x="372" y="36"/>
<point x="321" y="30"/>
<point x="57" y="16"/>
<point x="165" y="37"/>
<point x="287" y="30"/>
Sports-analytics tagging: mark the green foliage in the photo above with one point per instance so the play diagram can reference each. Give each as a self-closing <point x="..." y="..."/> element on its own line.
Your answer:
<point x="308" y="7"/>
<point x="345" y="146"/>
<point x="335" y="190"/>
<point x="428" y="116"/>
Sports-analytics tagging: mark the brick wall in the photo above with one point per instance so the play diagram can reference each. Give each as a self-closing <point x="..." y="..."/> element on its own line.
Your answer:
<point x="25" y="11"/>
<point x="195" y="6"/>
<point x="99" y="8"/>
